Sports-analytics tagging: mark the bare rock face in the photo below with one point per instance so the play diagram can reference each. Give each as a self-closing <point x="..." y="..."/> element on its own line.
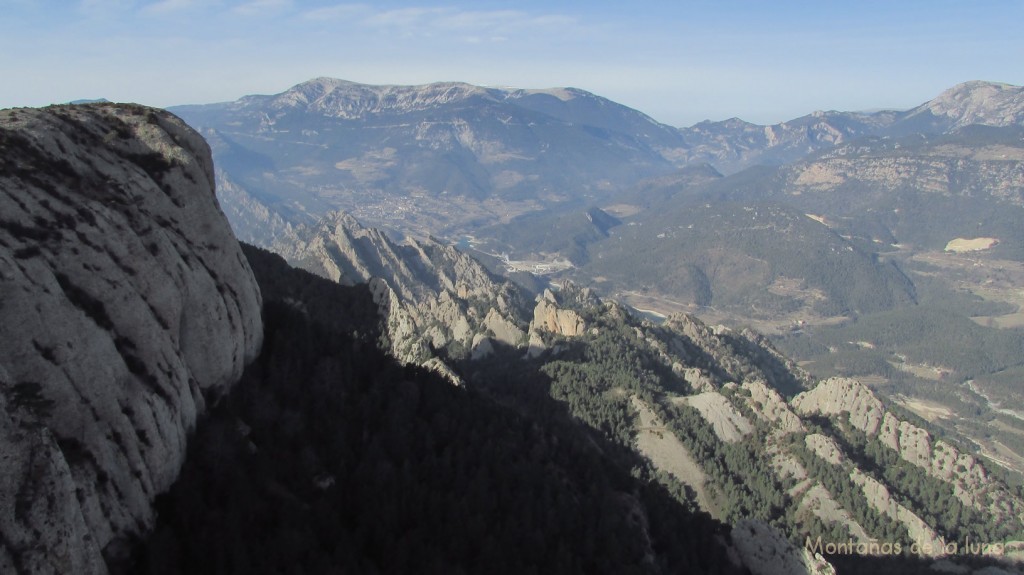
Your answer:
<point x="824" y="447"/>
<point x="878" y="496"/>
<point x="429" y="295"/>
<point x="547" y="316"/>
<point x="841" y="395"/>
<point x="125" y="305"/>
<point x="971" y="483"/>
<point x="769" y="405"/>
<point x="504" y="330"/>
<point x="728" y="423"/>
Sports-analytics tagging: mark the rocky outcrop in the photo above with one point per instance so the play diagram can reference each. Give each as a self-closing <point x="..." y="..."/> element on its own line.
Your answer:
<point x="503" y="329"/>
<point x="728" y="424"/>
<point x="817" y="501"/>
<point x="878" y="496"/>
<point x="842" y="395"/>
<point x="824" y="447"/>
<point x="549" y="317"/>
<point x="971" y="483"/>
<point x="558" y="315"/>
<point x="430" y="295"/>
<point x="125" y="307"/>
<point x="769" y="405"/>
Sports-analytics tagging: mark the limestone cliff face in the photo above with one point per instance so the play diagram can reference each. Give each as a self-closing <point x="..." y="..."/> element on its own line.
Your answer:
<point x="971" y="483"/>
<point x="547" y="316"/>
<point x="125" y="304"/>
<point x="876" y="493"/>
<point x="558" y="316"/>
<point x="976" y="102"/>
<point x="950" y="170"/>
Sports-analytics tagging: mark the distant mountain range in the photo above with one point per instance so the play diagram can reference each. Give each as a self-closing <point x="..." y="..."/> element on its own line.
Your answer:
<point x="816" y="230"/>
<point x="397" y="156"/>
<point x="545" y="174"/>
<point x="733" y="145"/>
<point x="175" y="402"/>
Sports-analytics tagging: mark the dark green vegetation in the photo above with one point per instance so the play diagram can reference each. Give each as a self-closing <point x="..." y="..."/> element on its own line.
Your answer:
<point x="330" y="458"/>
<point x="923" y="334"/>
<point x="599" y="373"/>
<point x="726" y="254"/>
<point x="836" y="479"/>
<point x="739" y="476"/>
<point x="931" y="499"/>
<point x="567" y="233"/>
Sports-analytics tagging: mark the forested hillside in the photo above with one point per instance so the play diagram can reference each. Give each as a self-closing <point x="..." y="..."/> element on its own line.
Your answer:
<point x="329" y="457"/>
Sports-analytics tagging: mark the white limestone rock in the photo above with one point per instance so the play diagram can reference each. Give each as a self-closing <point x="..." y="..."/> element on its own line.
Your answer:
<point x="842" y="395"/>
<point x="769" y="405"/>
<point x="971" y="483"/>
<point x="125" y="305"/>
<point x="547" y="316"/>
<point x="428" y="294"/>
<point x="727" y="422"/>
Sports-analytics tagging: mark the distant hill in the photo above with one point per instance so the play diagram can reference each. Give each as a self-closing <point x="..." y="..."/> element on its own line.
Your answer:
<point x="740" y="255"/>
<point x="399" y="156"/>
<point x="918" y="190"/>
<point x="732" y="145"/>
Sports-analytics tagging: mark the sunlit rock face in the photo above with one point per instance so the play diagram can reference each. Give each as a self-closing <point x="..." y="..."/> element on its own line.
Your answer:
<point x="126" y="305"/>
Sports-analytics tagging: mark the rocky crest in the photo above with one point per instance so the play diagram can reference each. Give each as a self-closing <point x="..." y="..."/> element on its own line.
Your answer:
<point x="548" y="317"/>
<point x="125" y="307"/>
<point x="430" y="295"/>
<point x="732" y="145"/>
<point x="985" y="103"/>
<point x="971" y="483"/>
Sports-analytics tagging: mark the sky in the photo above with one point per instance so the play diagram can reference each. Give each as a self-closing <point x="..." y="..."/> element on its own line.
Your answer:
<point x="680" y="62"/>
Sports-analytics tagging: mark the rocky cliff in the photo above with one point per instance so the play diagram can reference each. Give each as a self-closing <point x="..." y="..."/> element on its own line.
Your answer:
<point x="125" y="307"/>
<point x="430" y="295"/>
<point x="971" y="483"/>
<point x="975" y="102"/>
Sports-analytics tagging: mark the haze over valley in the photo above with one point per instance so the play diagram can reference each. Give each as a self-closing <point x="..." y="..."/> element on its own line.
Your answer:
<point x="509" y="303"/>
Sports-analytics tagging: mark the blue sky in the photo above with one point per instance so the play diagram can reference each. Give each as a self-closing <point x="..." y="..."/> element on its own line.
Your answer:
<point x="680" y="62"/>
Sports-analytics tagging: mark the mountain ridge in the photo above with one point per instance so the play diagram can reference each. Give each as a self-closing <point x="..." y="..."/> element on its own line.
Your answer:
<point x="575" y="431"/>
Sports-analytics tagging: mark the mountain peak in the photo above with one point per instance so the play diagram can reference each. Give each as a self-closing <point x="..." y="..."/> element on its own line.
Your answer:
<point x="978" y="102"/>
<point x="346" y="99"/>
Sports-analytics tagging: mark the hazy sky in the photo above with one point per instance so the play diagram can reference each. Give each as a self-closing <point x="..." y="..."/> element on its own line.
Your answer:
<point x="680" y="62"/>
